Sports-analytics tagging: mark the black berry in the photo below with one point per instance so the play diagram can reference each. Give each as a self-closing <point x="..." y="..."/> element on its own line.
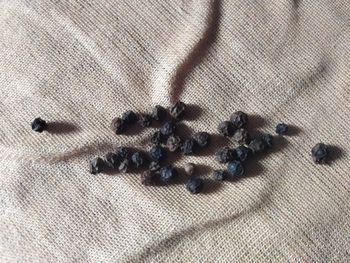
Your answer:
<point x="129" y="117"/>
<point x="154" y="166"/>
<point x="195" y="185"/>
<point x="241" y="136"/>
<point x="144" y="120"/>
<point x="96" y="165"/>
<point x="189" y="147"/>
<point x="226" y="128"/>
<point x="178" y="110"/>
<point x="219" y="175"/>
<point x="157" y="153"/>
<point x="173" y="143"/>
<point x="147" y="177"/>
<point x="157" y="138"/>
<point x="112" y="160"/>
<point x="268" y="139"/>
<point x="320" y="153"/>
<point x="189" y="168"/>
<point x="257" y="145"/>
<point x="168" y="128"/>
<point x="168" y="174"/>
<point x="202" y="138"/>
<point x="225" y="155"/>
<point x="137" y="159"/>
<point x="122" y="152"/>
<point x="235" y="168"/>
<point x="159" y="113"/>
<point x="124" y="166"/>
<point x="281" y="129"/>
<point x="243" y="153"/>
<point x="39" y="125"/>
<point x="117" y="125"/>
<point x="239" y="119"/>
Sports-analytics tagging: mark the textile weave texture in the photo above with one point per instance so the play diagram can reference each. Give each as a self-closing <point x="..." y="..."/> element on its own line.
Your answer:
<point x="80" y="63"/>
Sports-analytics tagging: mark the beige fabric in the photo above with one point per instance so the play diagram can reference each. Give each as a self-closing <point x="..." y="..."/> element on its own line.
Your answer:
<point x="83" y="62"/>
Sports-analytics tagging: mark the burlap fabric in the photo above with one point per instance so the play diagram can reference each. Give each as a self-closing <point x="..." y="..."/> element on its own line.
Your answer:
<point x="78" y="64"/>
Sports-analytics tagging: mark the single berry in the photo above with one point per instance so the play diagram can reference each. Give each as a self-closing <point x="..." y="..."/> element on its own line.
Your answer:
<point x="157" y="138"/>
<point x="159" y="113"/>
<point x="235" y="168"/>
<point x="178" y="110"/>
<point x="39" y="125"/>
<point x="129" y="117"/>
<point x="157" y="153"/>
<point x="195" y="185"/>
<point x="241" y="136"/>
<point x="257" y="145"/>
<point x="189" y="147"/>
<point x="219" y="175"/>
<point x="122" y="152"/>
<point x="117" y="125"/>
<point x="189" y="168"/>
<point x="154" y="166"/>
<point x="168" y="128"/>
<point x="96" y="165"/>
<point x="225" y="155"/>
<point x="168" y="174"/>
<point x="147" y="177"/>
<point x="112" y="160"/>
<point x="137" y="159"/>
<point x="202" y="139"/>
<point x="243" y="153"/>
<point x="226" y="128"/>
<point x="281" y="129"/>
<point x="320" y="153"/>
<point x="173" y="143"/>
<point x="268" y="139"/>
<point x="144" y="120"/>
<point x="124" y="166"/>
<point x="239" y="119"/>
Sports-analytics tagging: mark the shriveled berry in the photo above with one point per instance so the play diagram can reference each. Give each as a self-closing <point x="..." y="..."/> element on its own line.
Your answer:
<point x="168" y="174"/>
<point x="154" y="166"/>
<point x="157" y="153"/>
<point x="168" y="128"/>
<point x="178" y="110"/>
<point x="137" y="159"/>
<point x="241" y="136"/>
<point x="147" y="177"/>
<point x="257" y="145"/>
<point x="219" y="175"/>
<point x="281" y="129"/>
<point x="243" y="153"/>
<point x="202" y="139"/>
<point x="225" y="155"/>
<point x="320" y="153"/>
<point x="117" y="125"/>
<point x="195" y="185"/>
<point x="239" y="119"/>
<point x="124" y="166"/>
<point x="112" y="160"/>
<point x="96" y="165"/>
<point x="144" y="120"/>
<point x="226" y="128"/>
<point x="235" y="168"/>
<point x="129" y="117"/>
<point x="157" y="138"/>
<point x="122" y="152"/>
<point x="268" y="139"/>
<point x="39" y="125"/>
<point x="173" y="143"/>
<point x="189" y="168"/>
<point x="189" y="147"/>
<point x="159" y="113"/>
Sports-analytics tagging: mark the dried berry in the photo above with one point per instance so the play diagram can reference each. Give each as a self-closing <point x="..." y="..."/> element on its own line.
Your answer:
<point x="117" y="125"/>
<point x="39" y="125"/>
<point x="144" y="120"/>
<point x="122" y="152"/>
<point x="225" y="155"/>
<point x="173" y="143"/>
<point x="243" y="153"/>
<point x="189" y="147"/>
<point x="257" y="145"/>
<point x="159" y="113"/>
<point x="157" y="138"/>
<point x="226" y="128"/>
<point x="168" y="174"/>
<point x="235" y="168"/>
<point x="195" y="185"/>
<point x="154" y="166"/>
<point x="239" y="119"/>
<point x="320" y="153"/>
<point x="268" y="139"/>
<point x="129" y="117"/>
<point x="189" y="168"/>
<point x="112" y="160"/>
<point x="202" y="138"/>
<point x="147" y="177"/>
<point x="241" y="136"/>
<point x="168" y="128"/>
<point x="137" y="159"/>
<point x="178" y="110"/>
<point x="96" y="165"/>
<point x="124" y="166"/>
<point x="281" y="129"/>
<point x="157" y="153"/>
<point x="219" y="175"/>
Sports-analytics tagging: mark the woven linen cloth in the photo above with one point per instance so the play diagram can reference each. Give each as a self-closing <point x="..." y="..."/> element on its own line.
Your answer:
<point x="80" y="63"/>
